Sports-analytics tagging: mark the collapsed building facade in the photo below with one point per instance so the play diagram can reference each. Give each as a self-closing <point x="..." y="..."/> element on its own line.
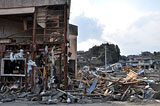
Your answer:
<point x="35" y="36"/>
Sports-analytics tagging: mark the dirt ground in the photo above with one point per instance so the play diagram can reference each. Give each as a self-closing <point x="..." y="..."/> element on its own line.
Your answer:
<point x="110" y="103"/>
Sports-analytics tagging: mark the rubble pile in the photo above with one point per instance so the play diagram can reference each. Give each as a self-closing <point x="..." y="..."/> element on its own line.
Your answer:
<point x="9" y="94"/>
<point x="130" y="88"/>
<point x="89" y="87"/>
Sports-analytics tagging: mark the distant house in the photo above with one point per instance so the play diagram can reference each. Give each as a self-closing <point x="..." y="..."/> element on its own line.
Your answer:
<point x="93" y="59"/>
<point x="81" y="59"/>
<point x="156" y="64"/>
<point x="146" y="53"/>
<point x="132" y="61"/>
<point x="80" y="52"/>
<point x="146" y="62"/>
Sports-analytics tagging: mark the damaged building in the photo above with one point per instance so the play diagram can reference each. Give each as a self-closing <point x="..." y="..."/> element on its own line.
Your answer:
<point x="36" y="40"/>
<point x="38" y="61"/>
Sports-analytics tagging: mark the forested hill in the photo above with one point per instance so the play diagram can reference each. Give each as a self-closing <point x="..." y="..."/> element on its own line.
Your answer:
<point x="113" y="53"/>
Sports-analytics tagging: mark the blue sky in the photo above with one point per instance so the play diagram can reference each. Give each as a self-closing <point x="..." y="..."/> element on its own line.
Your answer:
<point x="90" y="28"/>
<point x="134" y="25"/>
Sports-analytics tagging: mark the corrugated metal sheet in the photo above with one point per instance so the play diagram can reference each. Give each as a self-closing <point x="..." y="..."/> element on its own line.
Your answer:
<point x="93" y="86"/>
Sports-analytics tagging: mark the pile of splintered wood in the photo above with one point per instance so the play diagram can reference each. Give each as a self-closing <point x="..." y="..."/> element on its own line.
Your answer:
<point x="104" y="85"/>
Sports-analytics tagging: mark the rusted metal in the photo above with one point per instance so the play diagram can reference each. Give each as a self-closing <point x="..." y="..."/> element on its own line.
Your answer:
<point x="65" y="47"/>
<point x="33" y="47"/>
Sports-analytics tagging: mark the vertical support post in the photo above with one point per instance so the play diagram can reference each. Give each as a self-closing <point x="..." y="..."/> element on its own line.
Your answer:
<point x="0" y="68"/>
<point x="60" y="68"/>
<point x="0" y="63"/>
<point x="105" y="57"/>
<point x="65" y="47"/>
<point x="33" y="47"/>
<point x="25" y="23"/>
<point x="21" y="82"/>
<point x="45" y="72"/>
<point x="44" y="37"/>
<point x="26" y="74"/>
<point x="2" y="50"/>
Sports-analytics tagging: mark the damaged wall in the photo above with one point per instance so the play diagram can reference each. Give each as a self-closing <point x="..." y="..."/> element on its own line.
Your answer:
<point x="9" y="27"/>
<point x="73" y="33"/>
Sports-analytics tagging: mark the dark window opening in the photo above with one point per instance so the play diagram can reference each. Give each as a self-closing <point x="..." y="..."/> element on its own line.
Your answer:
<point x="15" y="67"/>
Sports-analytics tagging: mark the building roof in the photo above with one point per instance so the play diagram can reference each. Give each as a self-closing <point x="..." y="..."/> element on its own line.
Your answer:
<point x="29" y="3"/>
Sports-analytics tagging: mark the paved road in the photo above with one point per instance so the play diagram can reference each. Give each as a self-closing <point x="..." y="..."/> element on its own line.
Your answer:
<point x="36" y="104"/>
<point x="94" y="104"/>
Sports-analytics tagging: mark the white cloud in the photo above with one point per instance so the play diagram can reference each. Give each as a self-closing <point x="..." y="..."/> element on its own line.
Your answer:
<point x="137" y="38"/>
<point x="123" y="24"/>
<point x="78" y="7"/>
<point x="114" y="15"/>
<point x="85" y="45"/>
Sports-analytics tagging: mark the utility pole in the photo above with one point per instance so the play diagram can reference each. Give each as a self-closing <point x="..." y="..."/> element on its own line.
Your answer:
<point x="105" y="57"/>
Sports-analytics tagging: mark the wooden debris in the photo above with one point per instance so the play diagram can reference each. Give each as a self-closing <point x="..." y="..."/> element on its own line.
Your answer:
<point x="125" y="93"/>
<point x="131" y="76"/>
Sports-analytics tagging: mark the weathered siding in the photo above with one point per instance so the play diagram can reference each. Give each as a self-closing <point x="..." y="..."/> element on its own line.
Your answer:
<point x="9" y="27"/>
<point x="25" y="3"/>
<point x="73" y="29"/>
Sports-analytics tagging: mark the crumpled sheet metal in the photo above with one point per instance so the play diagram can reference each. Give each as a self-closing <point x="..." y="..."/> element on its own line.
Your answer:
<point x="93" y="86"/>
